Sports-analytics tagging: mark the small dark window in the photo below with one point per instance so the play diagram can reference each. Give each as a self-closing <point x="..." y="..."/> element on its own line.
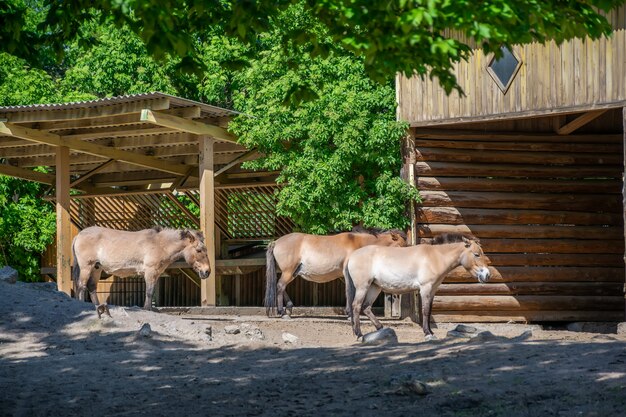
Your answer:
<point x="504" y="69"/>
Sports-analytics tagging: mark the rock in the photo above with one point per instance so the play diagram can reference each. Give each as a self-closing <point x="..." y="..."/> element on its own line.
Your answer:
<point x="621" y="328"/>
<point x="464" y="328"/>
<point x="232" y="329"/>
<point x="290" y="338"/>
<point x="524" y="336"/>
<point x="145" y="330"/>
<point x="483" y="336"/>
<point x="252" y="332"/>
<point x="285" y="317"/>
<point x="454" y="333"/>
<point x="8" y="275"/>
<point x="407" y="385"/>
<point x="384" y="335"/>
<point x="45" y="286"/>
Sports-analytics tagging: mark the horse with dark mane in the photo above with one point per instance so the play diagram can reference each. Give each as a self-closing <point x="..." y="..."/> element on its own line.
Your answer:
<point x="316" y="258"/>
<point x="373" y="269"/>
<point x="146" y="252"/>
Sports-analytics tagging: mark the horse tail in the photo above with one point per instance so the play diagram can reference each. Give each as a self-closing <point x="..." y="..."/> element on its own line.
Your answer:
<point x="270" y="280"/>
<point x="75" y="269"/>
<point x="350" y="291"/>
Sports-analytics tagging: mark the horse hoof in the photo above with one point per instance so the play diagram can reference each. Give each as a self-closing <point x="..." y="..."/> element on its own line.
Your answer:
<point x="430" y="337"/>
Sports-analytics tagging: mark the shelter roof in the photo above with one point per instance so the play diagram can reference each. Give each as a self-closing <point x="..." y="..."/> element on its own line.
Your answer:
<point x="128" y="142"/>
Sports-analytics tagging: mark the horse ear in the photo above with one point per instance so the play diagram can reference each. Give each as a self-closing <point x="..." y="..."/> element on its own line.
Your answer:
<point x="395" y="237"/>
<point x="186" y="234"/>
<point x="467" y="242"/>
<point x="200" y="236"/>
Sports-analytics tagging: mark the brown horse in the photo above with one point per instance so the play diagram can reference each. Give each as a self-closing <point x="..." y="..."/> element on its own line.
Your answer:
<point x="374" y="269"/>
<point x="147" y="253"/>
<point x="316" y="258"/>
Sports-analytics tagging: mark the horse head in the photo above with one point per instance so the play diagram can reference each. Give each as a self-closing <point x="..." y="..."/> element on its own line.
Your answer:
<point x="392" y="238"/>
<point x="475" y="261"/>
<point x="195" y="253"/>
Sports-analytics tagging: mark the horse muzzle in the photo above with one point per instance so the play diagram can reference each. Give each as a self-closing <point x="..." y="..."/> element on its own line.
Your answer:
<point x="204" y="274"/>
<point x="483" y="274"/>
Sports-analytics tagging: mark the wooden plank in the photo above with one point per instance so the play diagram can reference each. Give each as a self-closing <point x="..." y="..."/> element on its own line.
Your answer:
<point x="63" y="221"/>
<point x="85" y="111"/>
<point x="521" y="137"/>
<point x="516" y="146"/>
<point x="27" y="174"/>
<point x="208" y="294"/>
<point x="579" y="122"/>
<point x="460" y="215"/>
<point x="90" y="148"/>
<point x="543" y="274"/>
<point x="575" y="246"/>
<point x="529" y="232"/>
<point x="457" y="169"/>
<point x="528" y="302"/>
<point x="497" y="200"/>
<point x="91" y="173"/>
<point x="624" y="189"/>
<point x="520" y="316"/>
<point x="520" y="185"/>
<point x="186" y="125"/>
<point x="533" y="288"/>
<point x="556" y="259"/>
<point x="519" y="157"/>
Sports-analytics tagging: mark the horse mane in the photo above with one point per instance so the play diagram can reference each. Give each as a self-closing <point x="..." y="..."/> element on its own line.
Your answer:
<point x="444" y="238"/>
<point x="378" y="231"/>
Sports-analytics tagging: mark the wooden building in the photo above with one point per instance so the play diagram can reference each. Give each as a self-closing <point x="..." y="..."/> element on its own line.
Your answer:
<point x="531" y="161"/>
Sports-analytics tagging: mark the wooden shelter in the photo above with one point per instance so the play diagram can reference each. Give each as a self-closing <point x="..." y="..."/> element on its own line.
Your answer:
<point x="139" y="161"/>
<point x="531" y="161"/>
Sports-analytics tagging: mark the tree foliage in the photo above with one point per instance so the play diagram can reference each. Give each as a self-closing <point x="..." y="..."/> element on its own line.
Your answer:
<point x="409" y="36"/>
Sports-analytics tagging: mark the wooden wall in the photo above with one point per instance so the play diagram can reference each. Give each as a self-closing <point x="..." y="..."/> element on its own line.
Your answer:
<point x="578" y="74"/>
<point x="548" y="211"/>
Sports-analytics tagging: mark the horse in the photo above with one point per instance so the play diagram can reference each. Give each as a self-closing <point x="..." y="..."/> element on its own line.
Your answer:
<point x="316" y="258"/>
<point x="373" y="269"/>
<point x="146" y="253"/>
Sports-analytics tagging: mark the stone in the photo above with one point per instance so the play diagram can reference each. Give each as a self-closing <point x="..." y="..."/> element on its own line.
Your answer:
<point x="464" y="328"/>
<point x="384" y="335"/>
<point x="252" y="332"/>
<point x="8" y="275"/>
<point x="232" y="329"/>
<point x="483" y="336"/>
<point x="145" y="330"/>
<point x="406" y="384"/>
<point x="290" y="338"/>
<point x="454" y="333"/>
<point x="621" y="328"/>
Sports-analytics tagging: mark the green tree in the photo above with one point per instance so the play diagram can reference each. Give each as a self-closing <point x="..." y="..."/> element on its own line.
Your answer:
<point x="27" y="226"/>
<point x="338" y="155"/>
<point x="409" y="36"/>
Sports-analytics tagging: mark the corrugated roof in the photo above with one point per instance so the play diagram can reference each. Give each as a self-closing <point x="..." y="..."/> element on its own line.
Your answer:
<point x="174" y="102"/>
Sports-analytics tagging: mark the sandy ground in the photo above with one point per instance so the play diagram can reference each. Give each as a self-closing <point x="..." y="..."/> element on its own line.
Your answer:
<point x="57" y="358"/>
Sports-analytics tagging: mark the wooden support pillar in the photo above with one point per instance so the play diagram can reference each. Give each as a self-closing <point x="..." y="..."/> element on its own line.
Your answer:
<point x="624" y="192"/>
<point x="208" y="295"/>
<point x="64" y="225"/>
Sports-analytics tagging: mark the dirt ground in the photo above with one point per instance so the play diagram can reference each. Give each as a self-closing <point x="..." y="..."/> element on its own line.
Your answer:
<point x="57" y="358"/>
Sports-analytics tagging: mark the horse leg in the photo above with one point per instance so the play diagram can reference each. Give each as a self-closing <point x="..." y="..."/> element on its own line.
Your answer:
<point x="281" y="284"/>
<point x="288" y="303"/>
<point x="151" y="281"/>
<point x="372" y="293"/>
<point x="427" y="304"/>
<point x="81" y="283"/>
<point x="92" y="286"/>
<point x="357" y="304"/>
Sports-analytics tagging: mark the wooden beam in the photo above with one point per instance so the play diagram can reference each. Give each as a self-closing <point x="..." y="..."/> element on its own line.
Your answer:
<point x="26" y="174"/>
<point x="91" y="173"/>
<point x="251" y="154"/>
<point x="186" y="125"/>
<point x="63" y="221"/>
<point x="10" y="129"/>
<point x="580" y="121"/>
<point x="624" y="191"/>
<point x="85" y="111"/>
<point x="208" y="295"/>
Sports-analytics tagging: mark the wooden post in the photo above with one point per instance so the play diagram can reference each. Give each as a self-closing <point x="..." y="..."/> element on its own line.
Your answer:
<point x="624" y="192"/>
<point x="208" y="296"/>
<point x="64" y="225"/>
